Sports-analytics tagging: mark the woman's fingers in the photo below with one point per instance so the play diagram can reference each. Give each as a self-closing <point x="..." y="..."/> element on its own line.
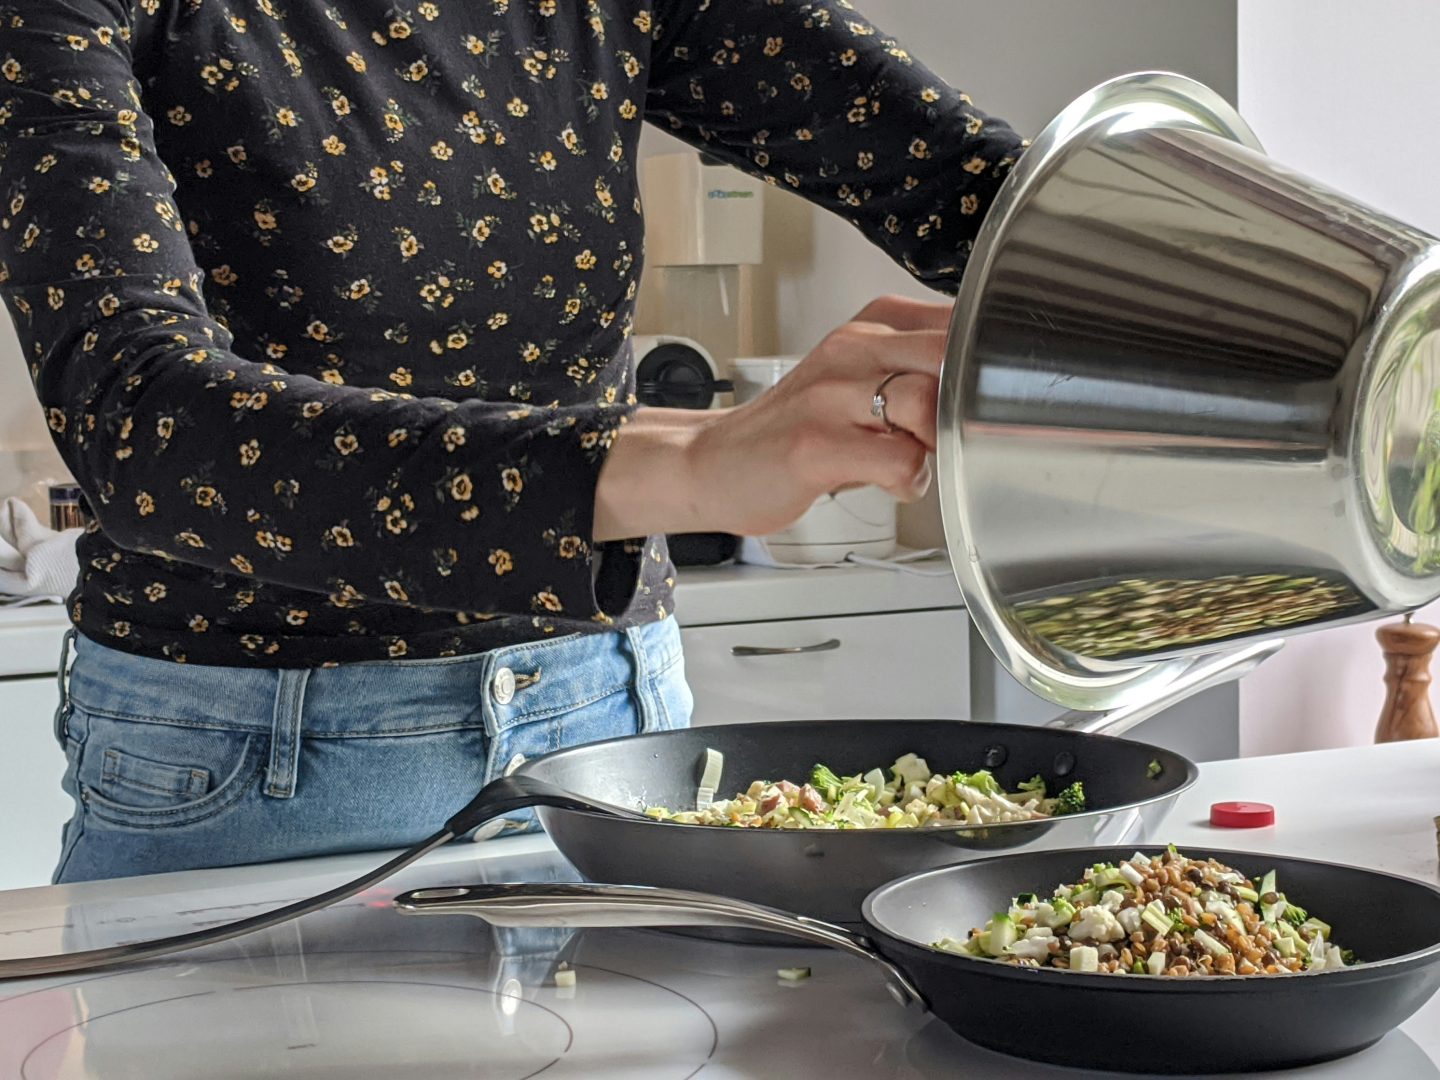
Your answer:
<point x="847" y="370"/>
<point x="910" y="402"/>
<point x="903" y="313"/>
<point x="857" y="348"/>
<point x="897" y="463"/>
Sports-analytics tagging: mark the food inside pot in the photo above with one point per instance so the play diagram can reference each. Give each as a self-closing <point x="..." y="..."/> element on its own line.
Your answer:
<point x="910" y="796"/>
<point x="1161" y="915"/>
<point x="1140" y="615"/>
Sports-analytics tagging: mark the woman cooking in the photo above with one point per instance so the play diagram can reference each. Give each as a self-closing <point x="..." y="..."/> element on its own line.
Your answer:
<point x="327" y="304"/>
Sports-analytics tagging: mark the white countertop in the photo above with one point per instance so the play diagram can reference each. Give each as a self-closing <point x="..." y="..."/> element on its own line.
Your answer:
<point x="362" y="991"/>
<point x="711" y="595"/>
<point x="30" y="639"/>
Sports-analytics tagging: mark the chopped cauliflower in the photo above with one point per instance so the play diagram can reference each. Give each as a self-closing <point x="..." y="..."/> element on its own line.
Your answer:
<point x="1096" y="923"/>
<point x="1031" y="948"/>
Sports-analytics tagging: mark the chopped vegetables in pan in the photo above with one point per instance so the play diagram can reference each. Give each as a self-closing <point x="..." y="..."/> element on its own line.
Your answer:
<point x="1162" y="915"/>
<point x="911" y="796"/>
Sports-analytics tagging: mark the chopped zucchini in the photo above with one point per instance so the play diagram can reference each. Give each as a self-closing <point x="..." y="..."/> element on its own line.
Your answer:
<point x="1084" y="958"/>
<point x="1211" y="945"/>
<point x="1003" y="934"/>
<point x="1311" y="928"/>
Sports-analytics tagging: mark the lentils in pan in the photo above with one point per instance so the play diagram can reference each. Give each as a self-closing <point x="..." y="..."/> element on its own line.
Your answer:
<point x="1166" y="915"/>
<point x="1137" y="615"/>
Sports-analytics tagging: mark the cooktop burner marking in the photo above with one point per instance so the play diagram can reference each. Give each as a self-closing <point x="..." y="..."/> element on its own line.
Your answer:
<point x="179" y="967"/>
<point x="93" y="1020"/>
<point x="714" y="1028"/>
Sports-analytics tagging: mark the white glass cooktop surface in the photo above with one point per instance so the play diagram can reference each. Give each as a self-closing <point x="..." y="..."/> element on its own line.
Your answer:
<point x="361" y="991"/>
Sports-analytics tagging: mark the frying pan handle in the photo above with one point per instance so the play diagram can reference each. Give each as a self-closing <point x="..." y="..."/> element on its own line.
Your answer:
<point x="518" y="792"/>
<point x="1204" y="673"/>
<point x="579" y="905"/>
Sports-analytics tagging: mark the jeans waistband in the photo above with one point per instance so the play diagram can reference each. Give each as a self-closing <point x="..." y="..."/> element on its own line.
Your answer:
<point x="387" y="697"/>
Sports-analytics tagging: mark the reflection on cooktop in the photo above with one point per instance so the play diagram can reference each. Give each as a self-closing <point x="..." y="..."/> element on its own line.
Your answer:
<point x="363" y="1012"/>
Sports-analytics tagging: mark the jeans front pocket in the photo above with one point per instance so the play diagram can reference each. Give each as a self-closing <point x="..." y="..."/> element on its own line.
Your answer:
<point x="149" y="775"/>
<point x="142" y="783"/>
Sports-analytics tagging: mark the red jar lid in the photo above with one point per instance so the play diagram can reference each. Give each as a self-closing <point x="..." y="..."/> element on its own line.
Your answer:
<point x="1242" y="815"/>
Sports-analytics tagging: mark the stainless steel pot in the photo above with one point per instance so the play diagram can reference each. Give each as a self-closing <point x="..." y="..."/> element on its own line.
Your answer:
<point x="1190" y="398"/>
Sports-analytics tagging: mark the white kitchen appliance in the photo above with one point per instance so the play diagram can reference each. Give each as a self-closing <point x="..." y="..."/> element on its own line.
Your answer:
<point x="676" y="373"/>
<point x="704" y="224"/>
<point x="861" y="521"/>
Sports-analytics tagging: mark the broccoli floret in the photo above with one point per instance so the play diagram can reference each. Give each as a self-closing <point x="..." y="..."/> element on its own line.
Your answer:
<point x="981" y="781"/>
<point x="1153" y="770"/>
<point x="1347" y="957"/>
<point x="1294" y="914"/>
<point x="1071" y="800"/>
<point x="1034" y="786"/>
<point x="825" y="782"/>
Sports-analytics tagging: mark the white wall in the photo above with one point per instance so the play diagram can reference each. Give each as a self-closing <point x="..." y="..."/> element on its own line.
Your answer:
<point x="1344" y="94"/>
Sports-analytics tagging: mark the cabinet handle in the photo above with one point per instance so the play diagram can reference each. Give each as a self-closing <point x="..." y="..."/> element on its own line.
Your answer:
<point x="789" y="650"/>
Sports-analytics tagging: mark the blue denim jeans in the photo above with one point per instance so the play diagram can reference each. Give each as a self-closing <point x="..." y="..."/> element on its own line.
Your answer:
<point x="178" y="766"/>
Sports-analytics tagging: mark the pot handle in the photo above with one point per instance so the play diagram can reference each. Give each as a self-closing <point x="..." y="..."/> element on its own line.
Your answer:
<point x="1207" y="671"/>
<point x="582" y="905"/>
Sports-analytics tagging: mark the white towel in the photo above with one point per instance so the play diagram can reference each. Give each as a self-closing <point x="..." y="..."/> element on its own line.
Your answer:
<point x="35" y="560"/>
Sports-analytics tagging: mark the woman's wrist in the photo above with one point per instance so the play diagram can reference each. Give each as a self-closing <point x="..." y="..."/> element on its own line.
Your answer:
<point x="649" y="483"/>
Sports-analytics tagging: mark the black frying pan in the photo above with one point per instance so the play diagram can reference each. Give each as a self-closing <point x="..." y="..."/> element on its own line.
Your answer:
<point x="1129" y="1023"/>
<point x="1130" y="786"/>
<point x="822" y="872"/>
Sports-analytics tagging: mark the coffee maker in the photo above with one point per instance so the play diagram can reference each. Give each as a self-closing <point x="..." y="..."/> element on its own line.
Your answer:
<point x="704" y="226"/>
<point x="678" y="373"/>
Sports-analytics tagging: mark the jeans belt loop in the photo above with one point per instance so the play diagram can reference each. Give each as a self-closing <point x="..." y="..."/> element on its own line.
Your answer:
<point x="62" y="682"/>
<point x="280" y="775"/>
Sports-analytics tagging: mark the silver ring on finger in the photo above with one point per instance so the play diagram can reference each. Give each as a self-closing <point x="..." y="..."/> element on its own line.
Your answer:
<point x="878" y="401"/>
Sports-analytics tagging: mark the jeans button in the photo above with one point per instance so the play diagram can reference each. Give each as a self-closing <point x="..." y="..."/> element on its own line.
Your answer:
<point x="491" y="829"/>
<point x="502" y="686"/>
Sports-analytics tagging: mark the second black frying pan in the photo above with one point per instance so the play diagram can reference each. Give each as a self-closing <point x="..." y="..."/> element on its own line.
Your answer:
<point x="1127" y="1023"/>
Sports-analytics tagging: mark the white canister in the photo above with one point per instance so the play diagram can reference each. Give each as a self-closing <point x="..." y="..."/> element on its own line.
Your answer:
<point x="753" y="375"/>
<point x="856" y="522"/>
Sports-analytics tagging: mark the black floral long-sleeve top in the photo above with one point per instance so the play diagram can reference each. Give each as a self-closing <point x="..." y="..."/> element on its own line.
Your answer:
<point x="327" y="301"/>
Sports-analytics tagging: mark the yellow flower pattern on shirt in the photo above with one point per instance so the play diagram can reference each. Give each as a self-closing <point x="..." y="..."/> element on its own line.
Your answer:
<point x="327" y="301"/>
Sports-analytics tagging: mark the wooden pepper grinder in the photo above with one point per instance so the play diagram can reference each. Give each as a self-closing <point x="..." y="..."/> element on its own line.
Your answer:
<point x="1407" y="714"/>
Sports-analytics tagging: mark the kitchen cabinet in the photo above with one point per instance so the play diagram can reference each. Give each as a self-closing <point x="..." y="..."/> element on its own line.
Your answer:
<point x="33" y="809"/>
<point x="913" y="665"/>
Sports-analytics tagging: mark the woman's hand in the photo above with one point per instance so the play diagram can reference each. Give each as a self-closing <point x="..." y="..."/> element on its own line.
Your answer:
<point x="755" y="469"/>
